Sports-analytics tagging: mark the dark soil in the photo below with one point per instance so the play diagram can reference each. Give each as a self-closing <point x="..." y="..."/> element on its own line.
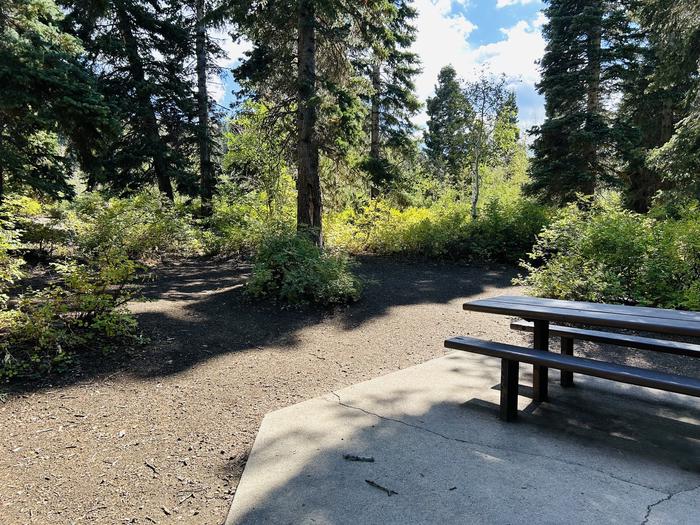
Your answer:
<point x="161" y="433"/>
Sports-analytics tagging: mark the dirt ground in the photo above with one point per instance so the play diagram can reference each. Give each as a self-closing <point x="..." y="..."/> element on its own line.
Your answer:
<point x="161" y="435"/>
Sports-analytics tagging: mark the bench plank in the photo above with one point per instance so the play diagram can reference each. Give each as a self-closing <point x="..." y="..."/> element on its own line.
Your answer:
<point x="632" y="341"/>
<point x="612" y="371"/>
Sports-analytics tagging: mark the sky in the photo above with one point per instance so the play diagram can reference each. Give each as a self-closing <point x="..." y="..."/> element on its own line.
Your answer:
<point x="503" y="36"/>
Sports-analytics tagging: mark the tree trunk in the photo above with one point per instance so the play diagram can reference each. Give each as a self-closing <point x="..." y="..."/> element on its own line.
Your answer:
<point x="374" y="124"/>
<point x="593" y="109"/>
<point x="308" y="181"/>
<point x="478" y="150"/>
<point x="143" y="95"/>
<point x="475" y="187"/>
<point x="205" y="167"/>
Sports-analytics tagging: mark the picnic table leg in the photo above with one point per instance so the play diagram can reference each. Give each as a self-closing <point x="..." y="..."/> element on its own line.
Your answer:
<point x="540" y="374"/>
<point x="567" y="348"/>
<point x="509" y="389"/>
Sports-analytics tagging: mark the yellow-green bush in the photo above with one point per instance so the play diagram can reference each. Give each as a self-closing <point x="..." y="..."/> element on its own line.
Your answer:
<point x="240" y="223"/>
<point x="502" y="231"/>
<point x="600" y="251"/>
<point x="143" y="226"/>
<point x="37" y="226"/>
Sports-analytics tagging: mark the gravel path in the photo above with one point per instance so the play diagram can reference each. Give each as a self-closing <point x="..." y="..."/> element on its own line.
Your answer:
<point x="162" y="436"/>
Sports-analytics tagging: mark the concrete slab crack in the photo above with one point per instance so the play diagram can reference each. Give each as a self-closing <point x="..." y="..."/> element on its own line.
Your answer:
<point x="502" y="449"/>
<point x="664" y="499"/>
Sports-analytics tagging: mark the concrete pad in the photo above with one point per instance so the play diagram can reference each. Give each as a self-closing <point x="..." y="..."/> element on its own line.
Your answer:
<point x="597" y="453"/>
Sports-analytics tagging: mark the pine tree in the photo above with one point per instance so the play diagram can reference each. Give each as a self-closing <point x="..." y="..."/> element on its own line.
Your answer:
<point x="301" y="62"/>
<point x="138" y="52"/>
<point x="675" y="34"/>
<point x="48" y="100"/>
<point x="643" y="119"/>
<point x="204" y="140"/>
<point x="569" y="147"/>
<point x="449" y="121"/>
<point x="391" y="68"/>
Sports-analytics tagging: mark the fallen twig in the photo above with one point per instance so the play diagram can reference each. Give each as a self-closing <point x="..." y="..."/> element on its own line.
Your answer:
<point x="376" y="485"/>
<point x="151" y="467"/>
<point x="190" y="495"/>
<point x="351" y="457"/>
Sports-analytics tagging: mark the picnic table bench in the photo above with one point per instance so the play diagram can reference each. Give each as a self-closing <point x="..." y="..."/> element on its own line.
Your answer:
<point x="539" y="313"/>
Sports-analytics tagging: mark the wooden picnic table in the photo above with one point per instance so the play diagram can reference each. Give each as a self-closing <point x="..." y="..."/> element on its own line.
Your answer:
<point x="543" y="311"/>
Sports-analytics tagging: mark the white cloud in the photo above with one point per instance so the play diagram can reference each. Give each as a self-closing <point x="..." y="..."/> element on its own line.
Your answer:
<point x="516" y="54"/>
<point x="443" y="38"/>
<point x="506" y="3"/>
<point x="233" y="51"/>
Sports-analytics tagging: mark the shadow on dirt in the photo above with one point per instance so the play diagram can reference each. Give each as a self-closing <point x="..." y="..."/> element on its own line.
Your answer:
<point x="194" y="310"/>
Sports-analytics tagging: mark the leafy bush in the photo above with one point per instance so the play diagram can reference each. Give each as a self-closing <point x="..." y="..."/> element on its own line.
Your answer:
<point x="291" y="268"/>
<point x="142" y="227"/>
<point x="84" y="307"/>
<point x="502" y="232"/>
<point x="601" y="252"/>
<point x="38" y="226"/>
<point x="240" y="223"/>
<point x="10" y="264"/>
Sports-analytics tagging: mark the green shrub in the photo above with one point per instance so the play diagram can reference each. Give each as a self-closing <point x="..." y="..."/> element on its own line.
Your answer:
<point x="292" y="269"/>
<point x="503" y="231"/>
<point x="239" y="223"/>
<point x="10" y="263"/>
<point x="242" y="220"/>
<point x="83" y="308"/>
<point x="601" y="252"/>
<point x="37" y="224"/>
<point x="144" y="226"/>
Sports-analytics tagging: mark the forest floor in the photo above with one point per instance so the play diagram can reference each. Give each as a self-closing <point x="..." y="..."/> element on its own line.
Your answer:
<point x="161" y="434"/>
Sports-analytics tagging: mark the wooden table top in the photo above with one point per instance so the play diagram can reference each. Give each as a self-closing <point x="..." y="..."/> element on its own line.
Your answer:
<point x="659" y="320"/>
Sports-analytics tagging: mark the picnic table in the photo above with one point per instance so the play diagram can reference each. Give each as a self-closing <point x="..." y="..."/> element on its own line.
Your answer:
<point x="542" y="312"/>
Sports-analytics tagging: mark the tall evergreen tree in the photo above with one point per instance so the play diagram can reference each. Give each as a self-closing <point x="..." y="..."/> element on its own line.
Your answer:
<point x="391" y="67"/>
<point x="207" y="15"/>
<point x="644" y="117"/>
<point x="450" y="118"/>
<point x="570" y="146"/>
<point x="675" y="29"/>
<point x="139" y="50"/>
<point x="301" y="62"/>
<point x="203" y="107"/>
<point x="48" y="100"/>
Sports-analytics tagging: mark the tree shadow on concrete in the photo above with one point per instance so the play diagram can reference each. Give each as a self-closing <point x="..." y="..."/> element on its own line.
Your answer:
<point x="595" y="452"/>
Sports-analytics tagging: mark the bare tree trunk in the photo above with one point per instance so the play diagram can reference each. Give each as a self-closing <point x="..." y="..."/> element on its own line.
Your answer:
<point x="308" y="181"/>
<point x="480" y="144"/>
<point x="157" y="147"/>
<point x="374" y="123"/>
<point x="593" y="108"/>
<point x="476" y="183"/>
<point x="205" y="167"/>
